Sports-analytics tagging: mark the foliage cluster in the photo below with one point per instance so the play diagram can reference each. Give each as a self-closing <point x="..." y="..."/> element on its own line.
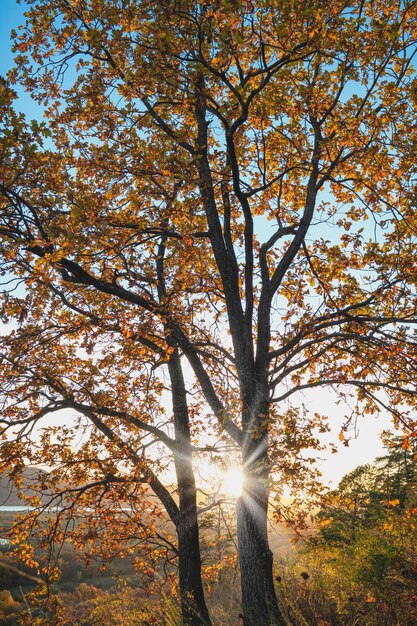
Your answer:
<point x="9" y="609"/>
<point x="361" y="565"/>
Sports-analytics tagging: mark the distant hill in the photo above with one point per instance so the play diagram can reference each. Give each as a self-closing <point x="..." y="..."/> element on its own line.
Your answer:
<point x="8" y="492"/>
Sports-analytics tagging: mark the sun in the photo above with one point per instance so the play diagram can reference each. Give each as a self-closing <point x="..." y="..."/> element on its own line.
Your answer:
<point x="226" y="482"/>
<point x="231" y="481"/>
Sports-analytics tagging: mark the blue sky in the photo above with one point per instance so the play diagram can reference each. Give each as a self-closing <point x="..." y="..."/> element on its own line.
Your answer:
<point x="11" y="15"/>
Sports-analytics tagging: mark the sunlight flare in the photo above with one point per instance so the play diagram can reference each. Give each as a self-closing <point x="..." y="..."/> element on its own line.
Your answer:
<point x="232" y="480"/>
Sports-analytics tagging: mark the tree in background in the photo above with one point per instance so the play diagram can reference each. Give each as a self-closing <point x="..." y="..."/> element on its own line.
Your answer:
<point x="367" y="493"/>
<point x="363" y="557"/>
<point x="229" y="185"/>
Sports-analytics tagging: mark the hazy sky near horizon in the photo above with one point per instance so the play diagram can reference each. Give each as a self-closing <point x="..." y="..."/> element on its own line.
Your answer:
<point x="363" y="448"/>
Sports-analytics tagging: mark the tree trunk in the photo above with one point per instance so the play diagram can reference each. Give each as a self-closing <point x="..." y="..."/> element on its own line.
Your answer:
<point x="193" y="605"/>
<point x="259" y="600"/>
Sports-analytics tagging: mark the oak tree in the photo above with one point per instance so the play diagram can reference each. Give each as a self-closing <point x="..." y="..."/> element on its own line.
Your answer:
<point x="227" y="186"/>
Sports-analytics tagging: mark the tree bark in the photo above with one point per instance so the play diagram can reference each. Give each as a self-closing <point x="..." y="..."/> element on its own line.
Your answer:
<point x="259" y="600"/>
<point x="193" y="605"/>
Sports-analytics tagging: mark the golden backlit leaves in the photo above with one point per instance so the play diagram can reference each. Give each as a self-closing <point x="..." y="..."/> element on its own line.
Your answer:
<point x="110" y="182"/>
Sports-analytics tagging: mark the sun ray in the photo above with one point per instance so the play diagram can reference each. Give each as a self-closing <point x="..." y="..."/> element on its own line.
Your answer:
<point x="232" y="480"/>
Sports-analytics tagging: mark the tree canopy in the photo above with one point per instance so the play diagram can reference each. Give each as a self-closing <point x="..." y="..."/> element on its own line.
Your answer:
<point x="216" y="215"/>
